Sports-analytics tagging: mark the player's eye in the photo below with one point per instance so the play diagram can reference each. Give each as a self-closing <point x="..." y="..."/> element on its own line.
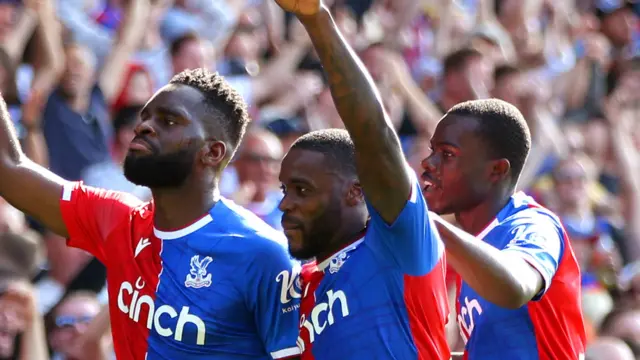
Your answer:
<point x="447" y="154"/>
<point x="302" y="191"/>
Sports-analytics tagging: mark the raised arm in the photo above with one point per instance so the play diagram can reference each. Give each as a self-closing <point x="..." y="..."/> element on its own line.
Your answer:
<point x="25" y="185"/>
<point x="130" y="35"/>
<point x="381" y="166"/>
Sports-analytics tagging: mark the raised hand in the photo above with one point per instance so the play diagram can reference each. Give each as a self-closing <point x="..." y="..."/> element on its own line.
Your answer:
<point x="301" y="7"/>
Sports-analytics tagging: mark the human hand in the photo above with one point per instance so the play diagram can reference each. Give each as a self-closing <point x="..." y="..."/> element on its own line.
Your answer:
<point x="18" y="306"/>
<point x="301" y="7"/>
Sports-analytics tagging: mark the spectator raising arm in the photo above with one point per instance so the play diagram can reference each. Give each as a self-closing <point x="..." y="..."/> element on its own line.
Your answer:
<point x="130" y="33"/>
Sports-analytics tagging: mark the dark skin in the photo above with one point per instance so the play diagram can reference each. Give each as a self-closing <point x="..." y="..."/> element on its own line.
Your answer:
<point x="381" y="168"/>
<point x="461" y="177"/>
<point x="171" y="120"/>
<point x="315" y="195"/>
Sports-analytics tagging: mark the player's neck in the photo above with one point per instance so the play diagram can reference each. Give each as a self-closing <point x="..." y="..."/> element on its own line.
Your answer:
<point x="178" y="208"/>
<point x="475" y="220"/>
<point x="340" y="242"/>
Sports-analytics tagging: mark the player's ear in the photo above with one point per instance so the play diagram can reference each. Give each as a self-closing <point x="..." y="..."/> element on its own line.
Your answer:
<point x="355" y="195"/>
<point x="499" y="170"/>
<point x="213" y="153"/>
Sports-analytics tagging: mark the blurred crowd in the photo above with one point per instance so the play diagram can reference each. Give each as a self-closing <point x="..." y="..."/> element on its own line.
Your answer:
<point x="75" y="74"/>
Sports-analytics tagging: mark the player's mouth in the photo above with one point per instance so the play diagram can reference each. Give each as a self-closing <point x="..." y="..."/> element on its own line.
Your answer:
<point x="139" y="145"/>
<point x="428" y="184"/>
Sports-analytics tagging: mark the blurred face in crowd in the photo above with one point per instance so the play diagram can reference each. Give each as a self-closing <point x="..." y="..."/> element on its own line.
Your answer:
<point x="571" y="181"/>
<point x="508" y="88"/>
<point x="139" y="89"/>
<point x="476" y="75"/>
<point x="458" y="173"/>
<point x="7" y="19"/>
<point x="168" y="140"/>
<point x="626" y="326"/>
<point x="193" y="54"/>
<point x="619" y="26"/>
<point x="12" y="323"/>
<point x="249" y="40"/>
<point x="317" y="200"/>
<point x="259" y="160"/>
<point x="70" y="320"/>
<point x="80" y="71"/>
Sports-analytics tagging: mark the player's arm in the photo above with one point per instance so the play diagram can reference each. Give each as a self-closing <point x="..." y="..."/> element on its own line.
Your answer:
<point x="25" y="185"/>
<point x="381" y="166"/>
<point x="509" y="278"/>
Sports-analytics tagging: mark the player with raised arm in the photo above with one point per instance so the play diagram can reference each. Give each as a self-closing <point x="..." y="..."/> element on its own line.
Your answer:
<point x="190" y="274"/>
<point x="519" y="297"/>
<point x="376" y="289"/>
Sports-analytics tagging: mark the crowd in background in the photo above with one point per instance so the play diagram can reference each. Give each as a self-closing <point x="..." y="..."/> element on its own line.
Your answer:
<point x="75" y="74"/>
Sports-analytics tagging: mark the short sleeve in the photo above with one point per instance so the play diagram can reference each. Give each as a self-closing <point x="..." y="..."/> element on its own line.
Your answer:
<point x="91" y="214"/>
<point x="411" y="242"/>
<point x="540" y="242"/>
<point x="277" y="302"/>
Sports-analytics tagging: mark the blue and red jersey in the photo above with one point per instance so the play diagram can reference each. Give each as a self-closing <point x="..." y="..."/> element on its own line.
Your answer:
<point x="381" y="297"/>
<point x="221" y="288"/>
<point x="550" y="327"/>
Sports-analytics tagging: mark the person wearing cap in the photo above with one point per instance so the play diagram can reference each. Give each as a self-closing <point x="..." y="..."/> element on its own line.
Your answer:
<point x="618" y="22"/>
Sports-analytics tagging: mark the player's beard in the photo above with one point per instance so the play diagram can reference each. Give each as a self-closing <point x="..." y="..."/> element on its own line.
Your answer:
<point x="318" y="237"/>
<point x="160" y="170"/>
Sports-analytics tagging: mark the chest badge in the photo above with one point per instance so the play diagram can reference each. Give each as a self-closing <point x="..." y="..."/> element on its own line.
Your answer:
<point x="198" y="276"/>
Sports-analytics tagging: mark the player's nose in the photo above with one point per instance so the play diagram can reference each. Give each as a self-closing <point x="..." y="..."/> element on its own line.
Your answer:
<point x="144" y="128"/>
<point x="285" y="204"/>
<point x="429" y="163"/>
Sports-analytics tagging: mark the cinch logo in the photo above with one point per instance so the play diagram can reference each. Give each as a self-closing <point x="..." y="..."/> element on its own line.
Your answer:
<point x="153" y="319"/>
<point x="466" y="313"/>
<point x="289" y="290"/>
<point x="322" y="316"/>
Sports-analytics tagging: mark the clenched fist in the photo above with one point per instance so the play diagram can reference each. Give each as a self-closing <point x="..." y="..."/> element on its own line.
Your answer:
<point x="301" y="7"/>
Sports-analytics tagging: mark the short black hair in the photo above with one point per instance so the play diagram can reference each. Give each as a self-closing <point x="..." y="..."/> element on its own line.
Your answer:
<point x="335" y="144"/>
<point x="180" y="41"/>
<point x="458" y="59"/>
<point x="126" y="117"/>
<point x="228" y="109"/>
<point x="502" y="127"/>
<point x="503" y="71"/>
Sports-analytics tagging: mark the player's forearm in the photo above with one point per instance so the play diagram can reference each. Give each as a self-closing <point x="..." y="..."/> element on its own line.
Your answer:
<point x="10" y="151"/>
<point x="503" y="280"/>
<point x="379" y="156"/>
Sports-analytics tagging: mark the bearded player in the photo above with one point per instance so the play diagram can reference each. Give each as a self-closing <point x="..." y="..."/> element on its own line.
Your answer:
<point x="376" y="289"/>
<point x="190" y="274"/>
<point x="519" y="297"/>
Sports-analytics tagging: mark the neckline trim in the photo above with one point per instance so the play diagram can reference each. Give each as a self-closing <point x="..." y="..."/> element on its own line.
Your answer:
<point x="190" y="229"/>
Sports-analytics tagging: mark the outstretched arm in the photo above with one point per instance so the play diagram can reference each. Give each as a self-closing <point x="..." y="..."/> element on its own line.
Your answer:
<point x="505" y="280"/>
<point x="381" y="166"/>
<point x="25" y="185"/>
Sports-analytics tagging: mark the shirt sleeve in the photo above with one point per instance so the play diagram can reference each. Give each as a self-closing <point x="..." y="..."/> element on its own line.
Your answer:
<point x="411" y="242"/>
<point x="91" y="214"/>
<point x="277" y="299"/>
<point x="540" y="242"/>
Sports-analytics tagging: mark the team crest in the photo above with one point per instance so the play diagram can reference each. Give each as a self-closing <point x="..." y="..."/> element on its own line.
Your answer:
<point x="198" y="277"/>
<point x="337" y="262"/>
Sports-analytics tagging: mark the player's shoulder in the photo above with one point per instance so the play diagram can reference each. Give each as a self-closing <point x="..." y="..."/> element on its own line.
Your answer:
<point x="524" y="210"/>
<point x="256" y="233"/>
<point x="77" y="191"/>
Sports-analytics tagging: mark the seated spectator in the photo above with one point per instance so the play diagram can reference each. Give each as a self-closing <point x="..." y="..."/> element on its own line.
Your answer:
<point x="257" y="166"/>
<point x="69" y="332"/>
